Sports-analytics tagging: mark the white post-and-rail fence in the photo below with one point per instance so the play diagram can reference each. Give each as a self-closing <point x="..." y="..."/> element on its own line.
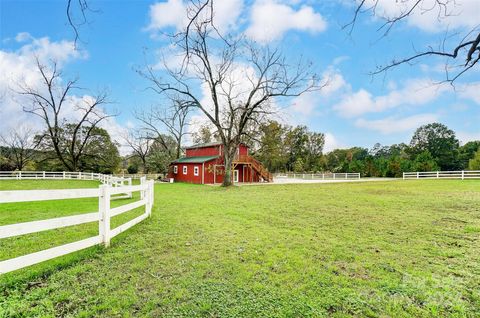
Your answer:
<point x="102" y="216"/>
<point x="464" y="174"/>
<point x="319" y="176"/>
<point x="68" y="175"/>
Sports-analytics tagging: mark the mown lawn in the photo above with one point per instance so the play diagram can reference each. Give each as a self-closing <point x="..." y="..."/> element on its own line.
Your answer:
<point x="379" y="249"/>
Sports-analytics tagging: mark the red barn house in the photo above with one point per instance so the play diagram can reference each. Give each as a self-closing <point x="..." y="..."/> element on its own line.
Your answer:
<point x="204" y="164"/>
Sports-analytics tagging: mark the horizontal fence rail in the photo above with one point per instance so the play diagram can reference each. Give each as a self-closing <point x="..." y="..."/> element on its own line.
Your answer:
<point x="319" y="176"/>
<point x="464" y="174"/>
<point x="102" y="216"/>
<point x="115" y="181"/>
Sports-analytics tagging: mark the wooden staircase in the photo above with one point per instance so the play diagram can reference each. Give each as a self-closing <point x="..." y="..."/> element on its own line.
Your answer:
<point x="256" y="165"/>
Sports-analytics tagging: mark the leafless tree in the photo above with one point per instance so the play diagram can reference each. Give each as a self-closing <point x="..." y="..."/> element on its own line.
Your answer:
<point x="77" y="16"/>
<point x="174" y="119"/>
<point x="21" y="146"/>
<point x="50" y="101"/>
<point x="464" y="47"/>
<point x="140" y="144"/>
<point x="243" y="79"/>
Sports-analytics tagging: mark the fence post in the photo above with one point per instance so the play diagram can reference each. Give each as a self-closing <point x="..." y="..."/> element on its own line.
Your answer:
<point x="64" y="175"/>
<point x="104" y="210"/>
<point x="129" y="183"/>
<point x="334" y="176"/>
<point x="463" y="175"/>
<point x="20" y="175"/>
<point x="438" y="175"/>
<point x="151" y="187"/>
<point x="404" y="176"/>
<point x="43" y="174"/>
<point x="418" y="175"/>
<point x="142" y="182"/>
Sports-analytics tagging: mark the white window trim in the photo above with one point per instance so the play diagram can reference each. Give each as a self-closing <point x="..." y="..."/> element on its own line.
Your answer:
<point x="185" y="169"/>
<point x="236" y="175"/>
<point x="175" y="169"/>
<point x="196" y="171"/>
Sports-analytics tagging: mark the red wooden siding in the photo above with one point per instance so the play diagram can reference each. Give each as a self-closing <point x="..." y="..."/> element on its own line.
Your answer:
<point x="189" y="177"/>
<point x="207" y="151"/>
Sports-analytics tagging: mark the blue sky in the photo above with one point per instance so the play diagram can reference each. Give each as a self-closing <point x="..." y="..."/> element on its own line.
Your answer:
<point x="355" y="110"/>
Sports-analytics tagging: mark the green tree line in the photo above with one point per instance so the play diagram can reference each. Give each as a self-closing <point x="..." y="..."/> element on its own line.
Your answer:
<point x="432" y="147"/>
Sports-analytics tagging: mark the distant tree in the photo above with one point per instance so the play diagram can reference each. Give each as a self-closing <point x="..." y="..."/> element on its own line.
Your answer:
<point x="271" y="145"/>
<point x="49" y="103"/>
<point x="425" y="162"/>
<point x="132" y="169"/>
<point x="315" y="144"/>
<point x="101" y="153"/>
<point x="474" y="163"/>
<point x="98" y="152"/>
<point x="6" y="164"/>
<point x="158" y="158"/>
<point x="20" y="146"/>
<point x="467" y="152"/>
<point x="298" y="165"/>
<point x="440" y="142"/>
<point x="296" y="141"/>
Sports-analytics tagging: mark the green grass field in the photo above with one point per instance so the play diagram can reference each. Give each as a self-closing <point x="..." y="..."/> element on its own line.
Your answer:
<point x="376" y="249"/>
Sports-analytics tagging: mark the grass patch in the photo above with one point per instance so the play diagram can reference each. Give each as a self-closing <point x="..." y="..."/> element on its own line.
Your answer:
<point x="398" y="249"/>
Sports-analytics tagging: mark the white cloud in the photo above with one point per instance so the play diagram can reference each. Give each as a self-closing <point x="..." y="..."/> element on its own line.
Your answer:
<point x="331" y="143"/>
<point x="470" y="91"/>
<point x="307" y="103"/>
<point x="23" y="36"/>
<point x="20" y="67"/>
<point x="430" y="16"/>
<point x="392" y="125"/>
<point x="465" y="137"/>
<point x="270" y="19"/>
<point x="174" y="13"/>
<point x="415" y="92"/>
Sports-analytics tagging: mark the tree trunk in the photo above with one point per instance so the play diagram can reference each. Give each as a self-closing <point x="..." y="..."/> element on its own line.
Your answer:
<point x="227" y="159"/>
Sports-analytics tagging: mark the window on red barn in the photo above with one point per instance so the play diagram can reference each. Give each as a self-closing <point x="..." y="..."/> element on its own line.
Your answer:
<point x="195" y="171"/>
<point x="175" y="169"/>
<point x="184" y="169"/>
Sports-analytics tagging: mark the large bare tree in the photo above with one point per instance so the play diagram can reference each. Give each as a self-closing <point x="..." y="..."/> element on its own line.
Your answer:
<point x="21" y="145"/>
<point x="51" y="101"/>
<point x="460" y="49"/>
<point x="173" y="119"/>
<point x="243" y="80"/>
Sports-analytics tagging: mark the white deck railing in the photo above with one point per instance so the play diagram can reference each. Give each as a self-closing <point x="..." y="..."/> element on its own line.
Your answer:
<point x="102" y="216"/>
<point x="319" y="176"/>
<point x="464" y="174"/>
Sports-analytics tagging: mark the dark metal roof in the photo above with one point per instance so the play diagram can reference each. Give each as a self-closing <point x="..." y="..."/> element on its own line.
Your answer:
<point x="199" y="159"/>
<point x="208" y="144"/>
